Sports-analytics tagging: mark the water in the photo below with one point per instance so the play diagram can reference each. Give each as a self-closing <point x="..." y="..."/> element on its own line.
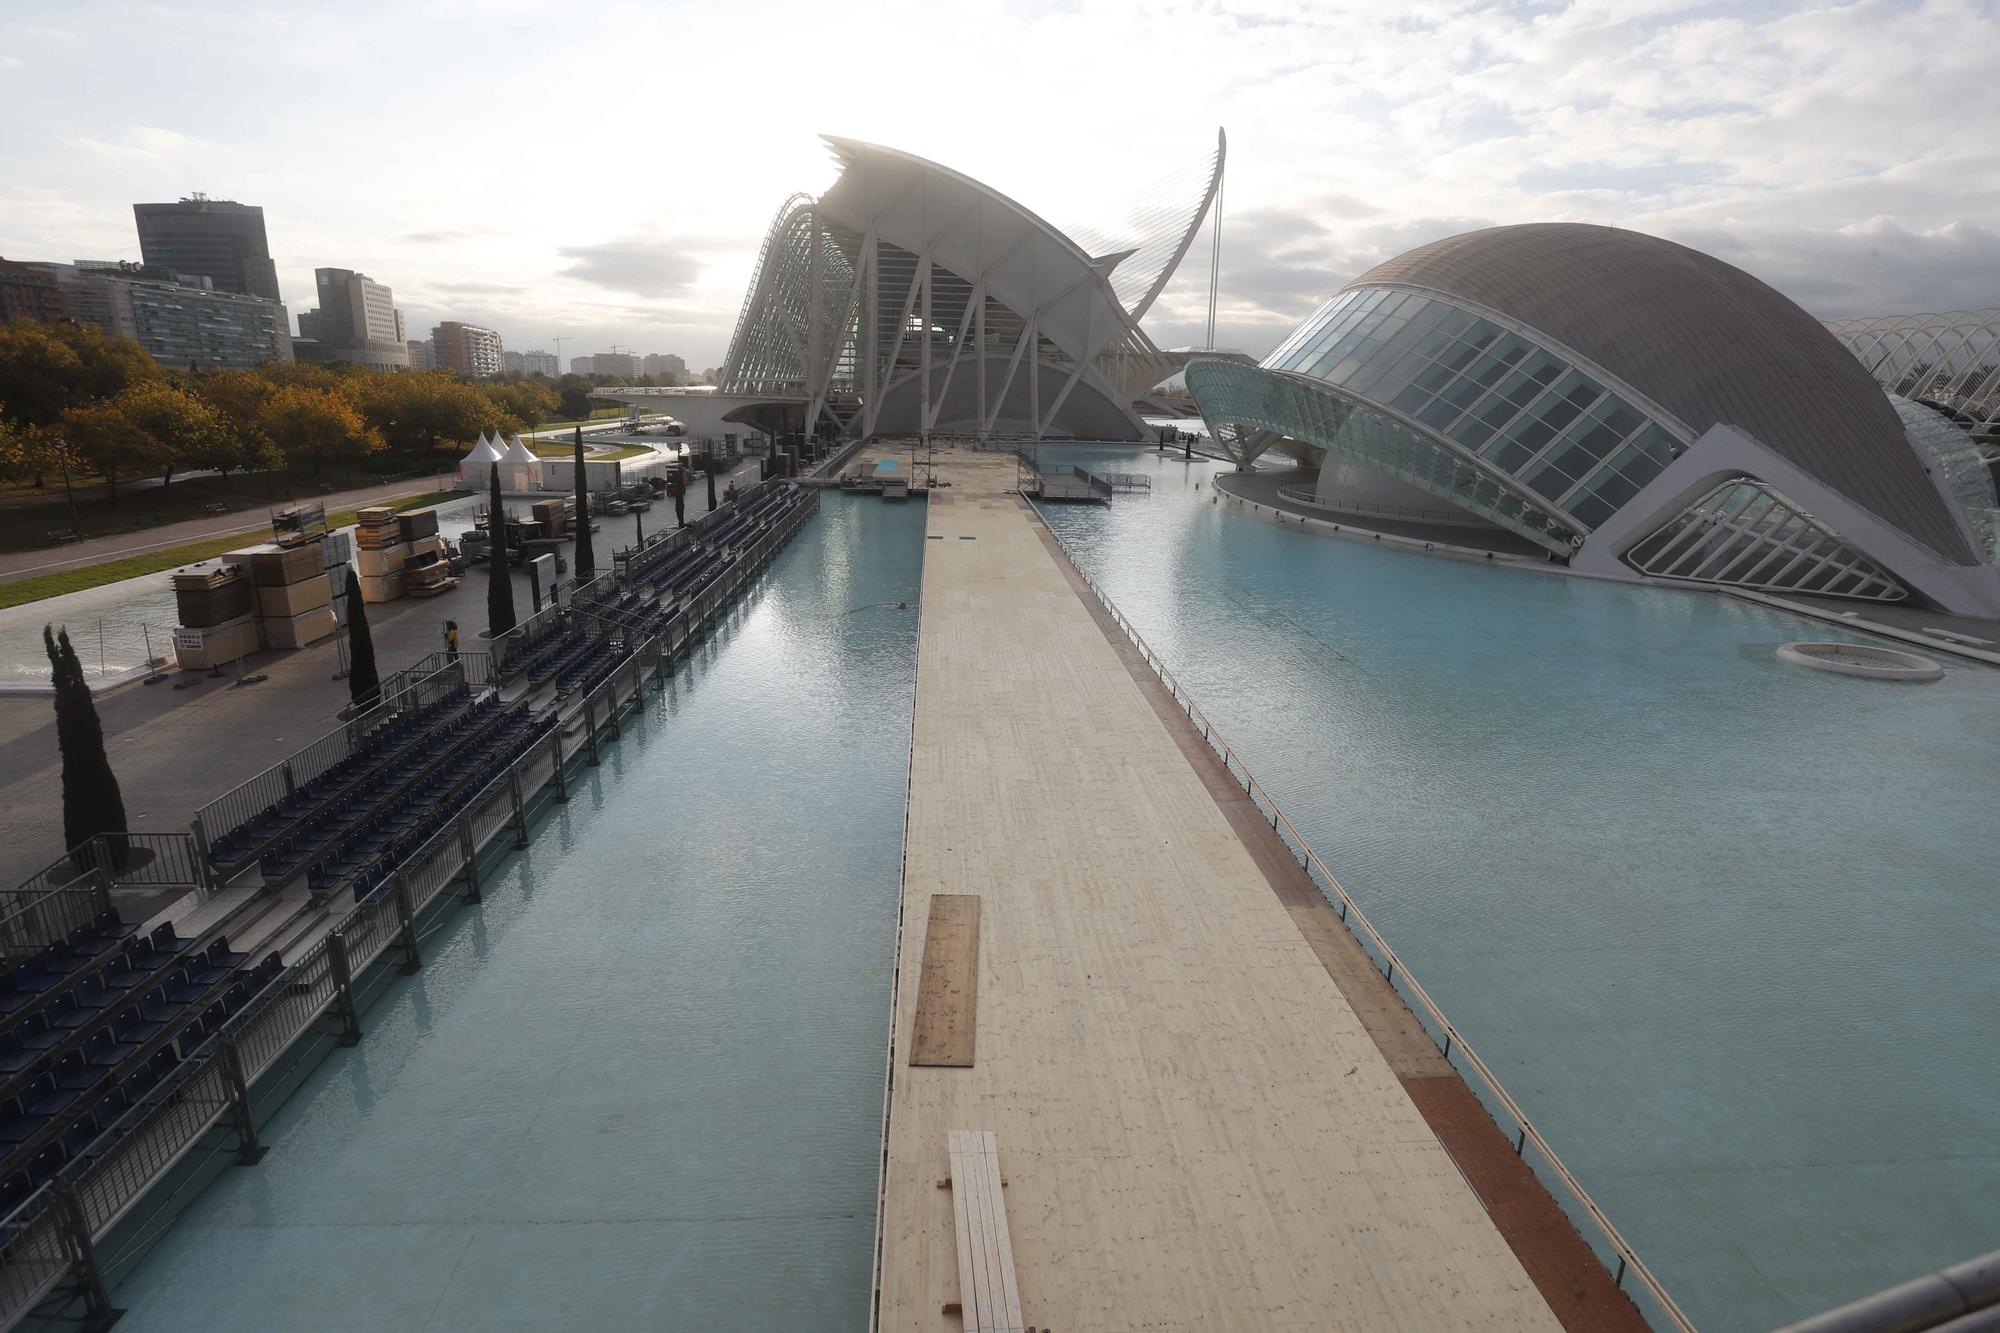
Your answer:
<point x="641" y="1085"/>
<point x="1725" y="928"/>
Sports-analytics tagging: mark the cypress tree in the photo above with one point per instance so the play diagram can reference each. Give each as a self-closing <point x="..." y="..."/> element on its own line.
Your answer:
<point x="710" y="470"/>
<point x="499" y="587"/>
<point x="364" y="685"/>
<point x="586" y="558"/>
<point x="92" y="803"/>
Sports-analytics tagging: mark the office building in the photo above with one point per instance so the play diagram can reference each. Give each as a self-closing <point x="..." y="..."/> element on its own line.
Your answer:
<point x="185" y="324"/>
<point x="615" y="363"/>
<point x="665" y="363"/>
<point x="357" y="322"/>
<point x="217" y="239"/>
<point x="539" y="363"/>
<point x="582" y="365"/>
<point x="470" y="350"/>
<point x="28" y="292"/>
<point x="422" y="355"/>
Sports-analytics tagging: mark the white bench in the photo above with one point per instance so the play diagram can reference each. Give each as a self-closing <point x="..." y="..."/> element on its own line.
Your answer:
<point x="988" y="1300"/>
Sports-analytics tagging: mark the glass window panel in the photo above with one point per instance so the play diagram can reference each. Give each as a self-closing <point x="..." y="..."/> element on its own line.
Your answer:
<point x="1473" y="431"/>
<point x="1440" y="413"/>
<point x="1454" y="321"/>
<point x="1510" y="455"/>
<point x="1411" y="398"/>
<point x="1464" y="394"/>
<point x="1592" y="510"/>
<point x="1434" y="377"/>
<point x="1547" y="481"/>
<point x="1621" y="418"/>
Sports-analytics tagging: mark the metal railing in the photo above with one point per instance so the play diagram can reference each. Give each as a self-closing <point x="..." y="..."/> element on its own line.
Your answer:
<point x="75" y="888"/>
<point x="1451" y="1043"/>
<point x="250" y="798"/>
<point x="1304" y="495"/>
<point x="54" y="1233"/>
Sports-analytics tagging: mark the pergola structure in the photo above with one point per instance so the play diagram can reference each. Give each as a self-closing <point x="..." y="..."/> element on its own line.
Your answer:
<point x="911" y="299"/>
<point x="1949" y="361"/>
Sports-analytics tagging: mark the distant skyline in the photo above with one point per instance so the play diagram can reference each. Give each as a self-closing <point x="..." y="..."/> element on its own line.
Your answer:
<point x="605" y="175"/>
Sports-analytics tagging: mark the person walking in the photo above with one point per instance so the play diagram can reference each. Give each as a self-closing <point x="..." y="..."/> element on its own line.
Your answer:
<point x="451" y="639"/>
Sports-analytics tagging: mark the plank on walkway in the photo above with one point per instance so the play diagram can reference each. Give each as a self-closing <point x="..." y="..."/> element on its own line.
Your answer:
<point x="989" y="1300"/>
<point x="948" y="992"/>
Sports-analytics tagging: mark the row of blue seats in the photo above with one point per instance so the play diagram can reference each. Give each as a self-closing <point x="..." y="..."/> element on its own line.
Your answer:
<point x="592" y="670"/>
<point x="233" y="844"/>
<point x="533" y="663"/>
<point x="438" y="815"/>
<point x="23" y="983"/>
<point x="325" y="826"/>
<point x="44" y="1033"/>
<point x="659" y="564"/>
<point x="406" y="820"/>
<point x="55" y="1099"/>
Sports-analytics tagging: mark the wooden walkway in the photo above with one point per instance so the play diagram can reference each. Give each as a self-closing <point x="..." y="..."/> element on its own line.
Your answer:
<point x="1199" y="1130"/>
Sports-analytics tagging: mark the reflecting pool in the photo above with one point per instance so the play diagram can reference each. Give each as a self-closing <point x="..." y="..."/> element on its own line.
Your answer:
<point x="641" y="1085"/>
<point x="1727" y="929"/>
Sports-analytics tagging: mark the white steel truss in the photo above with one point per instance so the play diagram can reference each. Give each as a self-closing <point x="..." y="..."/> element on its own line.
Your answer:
<point x="1948" y="361"/>
<point x="1746" y="535"/>
<point x="910" y="298"/>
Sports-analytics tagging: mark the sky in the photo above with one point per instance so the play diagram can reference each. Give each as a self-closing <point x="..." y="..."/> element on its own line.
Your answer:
<point x="604" y="173"/>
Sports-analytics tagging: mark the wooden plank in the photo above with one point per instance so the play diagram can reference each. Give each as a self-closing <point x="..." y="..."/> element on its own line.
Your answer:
<point x="1009" y="1310"/>
<point x="989" y="1298"/>
<point x="944" y="1030"/>
<point x="961" y="1211"/>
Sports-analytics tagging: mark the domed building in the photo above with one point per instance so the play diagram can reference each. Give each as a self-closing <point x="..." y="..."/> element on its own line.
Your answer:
<point x="1622" y="404"/>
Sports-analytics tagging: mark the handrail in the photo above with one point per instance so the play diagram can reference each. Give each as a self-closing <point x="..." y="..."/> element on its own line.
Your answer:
<point x="1352" y="915"/>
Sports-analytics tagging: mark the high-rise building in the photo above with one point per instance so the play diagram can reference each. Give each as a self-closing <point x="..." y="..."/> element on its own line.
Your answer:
<point x="184" y="324"/>
<point x="357" y="322"/>
<point x="27" y="292"/>
<point x="467" y="349"/>
<point x="217" y="239"/>
<point x="665" y="363"/>
<point x="582" y="365"/>
<point x="422" y="355"/>
<point x="614" y="363"/>
<point x="539" y="363"/>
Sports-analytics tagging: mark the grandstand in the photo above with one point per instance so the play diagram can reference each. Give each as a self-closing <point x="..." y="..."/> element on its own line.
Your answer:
<point x="125" y="1049"/>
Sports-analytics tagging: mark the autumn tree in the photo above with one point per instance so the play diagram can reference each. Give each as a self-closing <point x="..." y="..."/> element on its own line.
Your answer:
<point x="177" y="429"/>
<point x="573" y="395"/>
<point x="525" y="403"/>
<point x="313" y="427"/>
<point x="418" y="411"/>
<point x="46" y="369"/>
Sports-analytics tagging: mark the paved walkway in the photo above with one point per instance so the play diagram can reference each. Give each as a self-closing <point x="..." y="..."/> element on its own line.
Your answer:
<point x="1196" y="1126"/>
<point x="97" y="550"/>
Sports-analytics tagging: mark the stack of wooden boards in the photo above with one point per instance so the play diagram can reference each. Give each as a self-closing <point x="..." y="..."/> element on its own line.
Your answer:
<point x="217" y="625"/>
<point x="294" y="598"/>
<point x="388" y="545"/>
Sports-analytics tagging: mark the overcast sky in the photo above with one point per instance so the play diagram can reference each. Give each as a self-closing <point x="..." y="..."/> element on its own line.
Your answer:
<point x="604" y="172"/>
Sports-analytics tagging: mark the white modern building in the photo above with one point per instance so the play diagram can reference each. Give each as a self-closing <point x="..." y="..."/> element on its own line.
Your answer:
<point x="357" y="322"/>
<point x="470" y="350"/>
<point x="1627" y="406"/>
<point x="910" y="298"/>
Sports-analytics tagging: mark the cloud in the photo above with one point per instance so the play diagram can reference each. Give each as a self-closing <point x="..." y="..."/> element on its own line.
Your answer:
<point x="146" y="143"/>
<point x="448" y="236"/>
<point x="643" y="266"/>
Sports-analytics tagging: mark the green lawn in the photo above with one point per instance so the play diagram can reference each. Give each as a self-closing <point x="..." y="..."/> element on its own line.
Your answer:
<point x="21" y="591"/>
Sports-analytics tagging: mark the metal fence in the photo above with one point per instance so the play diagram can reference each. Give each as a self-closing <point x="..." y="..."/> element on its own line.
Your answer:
<point x="75" y="888"/>
<point x="248" y="799"/>
<point x="1305" y="495"/>
<point x="54" y="1234"/>
<point x="1499" y="1103"/>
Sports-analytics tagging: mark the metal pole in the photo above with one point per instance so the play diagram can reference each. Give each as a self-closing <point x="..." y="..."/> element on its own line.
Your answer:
<point x="249" y="1152"/>
<point x="343" y="982"/>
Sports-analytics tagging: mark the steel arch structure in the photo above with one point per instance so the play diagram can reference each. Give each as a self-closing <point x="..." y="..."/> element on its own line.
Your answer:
<point x="910" y="298"/>
<point x="1949" y="361"/>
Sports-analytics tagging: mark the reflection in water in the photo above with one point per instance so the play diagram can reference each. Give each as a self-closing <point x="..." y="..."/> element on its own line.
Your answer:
<point x="1722" y="926"/>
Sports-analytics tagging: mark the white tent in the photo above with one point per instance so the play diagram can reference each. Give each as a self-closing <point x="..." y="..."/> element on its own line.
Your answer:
<point x="475" y="469"/>
<point x="522" y="471"/>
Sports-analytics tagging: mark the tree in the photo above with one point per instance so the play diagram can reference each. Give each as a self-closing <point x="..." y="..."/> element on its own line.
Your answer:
<point x="178" y="429"/>
<point x="46" y="369"/>
<point x="525" y="403"/>
<point x="92" y="803"/>
<point x="418" y="411"/>
<point x="499" y="584"/>
<point x="239" y="398"/>
<point x="364" y="686"/>
<point x="573" y="395"/>
<point x="312" y="427"/>
<point x="586" y="557"/>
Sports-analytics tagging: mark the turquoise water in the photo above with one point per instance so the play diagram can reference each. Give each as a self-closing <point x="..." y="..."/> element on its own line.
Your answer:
<point x="1725" y="928"/>
<point x="641" y="1085"/>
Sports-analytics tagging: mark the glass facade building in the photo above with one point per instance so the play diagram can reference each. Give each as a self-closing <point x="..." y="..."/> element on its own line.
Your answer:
<point x="1545" y="377"/>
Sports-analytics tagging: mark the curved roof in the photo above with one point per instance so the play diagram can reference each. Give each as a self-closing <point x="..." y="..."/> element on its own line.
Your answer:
<point x="1704" y="340"/>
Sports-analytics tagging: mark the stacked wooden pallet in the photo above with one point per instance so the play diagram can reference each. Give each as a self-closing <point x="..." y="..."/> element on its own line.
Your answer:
<point x="294" y="599"/>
